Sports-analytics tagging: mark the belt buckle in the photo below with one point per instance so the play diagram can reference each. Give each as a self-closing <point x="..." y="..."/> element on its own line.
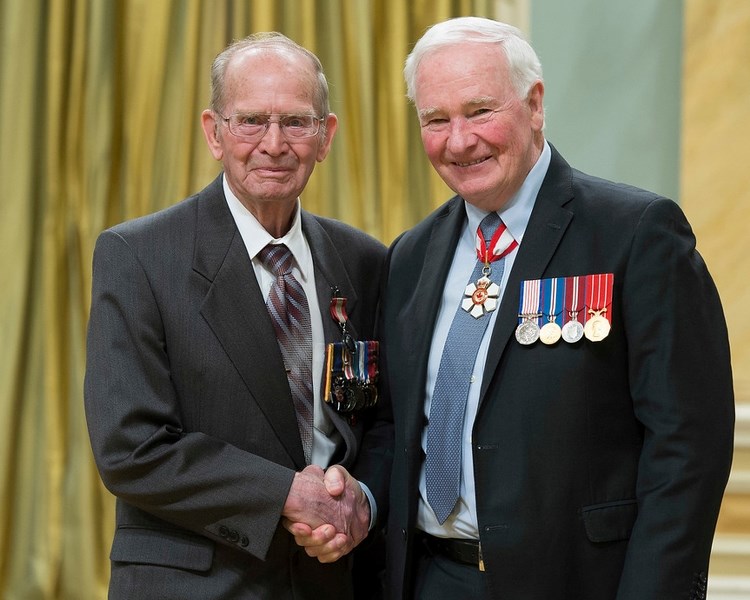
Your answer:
<point x="481" y="559"/>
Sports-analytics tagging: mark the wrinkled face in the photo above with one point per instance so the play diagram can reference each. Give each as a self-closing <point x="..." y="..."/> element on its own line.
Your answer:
<point x="272" y="169"/>
<point x="479" y="136"/>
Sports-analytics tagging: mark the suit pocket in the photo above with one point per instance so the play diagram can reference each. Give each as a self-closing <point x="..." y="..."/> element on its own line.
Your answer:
<point x="163" y="547"/>
<point x="610" y="521"/>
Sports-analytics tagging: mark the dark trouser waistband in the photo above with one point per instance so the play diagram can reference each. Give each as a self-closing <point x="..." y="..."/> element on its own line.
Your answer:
<point x="467" y="552"/>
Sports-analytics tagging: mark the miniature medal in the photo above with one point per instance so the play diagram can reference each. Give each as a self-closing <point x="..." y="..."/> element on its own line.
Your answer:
<point x="351" y="367"/>
<point x="527" y="331"/>
<point x="597" y="327"/>
<point x="550" y="333"/>
<point x="599" y="295"/>
<point x="572" y="330"/>
<point x="551" y="291"/>
<point x="481" y="297"/>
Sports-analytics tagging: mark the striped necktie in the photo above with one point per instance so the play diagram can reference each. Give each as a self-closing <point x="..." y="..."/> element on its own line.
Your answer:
<point x="290" y="315"/>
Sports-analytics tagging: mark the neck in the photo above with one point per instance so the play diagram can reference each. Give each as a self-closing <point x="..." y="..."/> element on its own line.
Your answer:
<point x="275" y="217"/>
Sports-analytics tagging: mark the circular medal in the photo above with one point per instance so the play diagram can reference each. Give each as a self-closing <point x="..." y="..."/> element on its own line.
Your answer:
<point x="527" y="332"/>
<point x="572" y="331"/>
<point x="550" y="333"/>
<point x="596" y="328"/>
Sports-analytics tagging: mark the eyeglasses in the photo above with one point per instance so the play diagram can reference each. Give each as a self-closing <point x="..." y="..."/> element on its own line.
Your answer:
<point x="438" y="124"/>
<point x="253" y="126"/>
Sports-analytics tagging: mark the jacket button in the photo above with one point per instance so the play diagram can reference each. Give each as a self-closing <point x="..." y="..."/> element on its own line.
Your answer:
<point x="233" y="536"/>
<point x="244" y="542"/>
<point x="223" y="531"/>
<point x="404" y="534"/>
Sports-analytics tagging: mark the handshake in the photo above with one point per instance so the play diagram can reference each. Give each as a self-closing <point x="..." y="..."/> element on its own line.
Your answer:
<point x="327" y="512"/>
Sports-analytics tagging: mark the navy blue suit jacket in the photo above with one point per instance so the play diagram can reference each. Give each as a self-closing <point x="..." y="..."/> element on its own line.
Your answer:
<point x="599" y="467"/>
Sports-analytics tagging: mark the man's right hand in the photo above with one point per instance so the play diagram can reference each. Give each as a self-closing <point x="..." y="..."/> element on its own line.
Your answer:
<point x="346" y="508"/>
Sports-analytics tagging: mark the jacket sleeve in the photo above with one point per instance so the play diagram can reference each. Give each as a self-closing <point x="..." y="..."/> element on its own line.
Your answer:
<point x="143" y="451"/>
<point x="681" y="388"/>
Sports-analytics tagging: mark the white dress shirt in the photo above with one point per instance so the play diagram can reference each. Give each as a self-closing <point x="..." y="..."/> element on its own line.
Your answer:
<point x="326" y="438"/>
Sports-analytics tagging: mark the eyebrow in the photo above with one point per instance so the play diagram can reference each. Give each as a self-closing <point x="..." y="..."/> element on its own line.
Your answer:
<point x="426" y="113"/>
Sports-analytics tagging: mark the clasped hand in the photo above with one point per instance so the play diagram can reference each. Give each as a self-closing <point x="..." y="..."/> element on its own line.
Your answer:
<point x="327" y="512"/>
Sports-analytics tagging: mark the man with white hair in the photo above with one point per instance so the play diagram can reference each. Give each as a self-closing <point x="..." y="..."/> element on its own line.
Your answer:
<point x="557" y="358"/>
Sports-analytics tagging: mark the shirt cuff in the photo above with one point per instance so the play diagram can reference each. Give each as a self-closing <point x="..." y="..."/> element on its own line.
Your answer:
<point x="373" y="506"/>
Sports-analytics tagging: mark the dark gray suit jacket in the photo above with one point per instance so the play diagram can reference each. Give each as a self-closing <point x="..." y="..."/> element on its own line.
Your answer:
<point x="599" y="467"/>
<point x="190" y="413"/>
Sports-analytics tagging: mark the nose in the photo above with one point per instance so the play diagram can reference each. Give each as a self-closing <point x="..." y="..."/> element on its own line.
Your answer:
<point x="460" y="136"/>
<point x="273" y="140"/>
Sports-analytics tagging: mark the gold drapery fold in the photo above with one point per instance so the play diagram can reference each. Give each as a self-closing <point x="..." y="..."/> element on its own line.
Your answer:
<point x="99" y="122"/>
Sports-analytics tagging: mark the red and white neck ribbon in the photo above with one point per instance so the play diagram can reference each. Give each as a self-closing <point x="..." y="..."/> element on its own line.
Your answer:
<point x="501" y="244"/>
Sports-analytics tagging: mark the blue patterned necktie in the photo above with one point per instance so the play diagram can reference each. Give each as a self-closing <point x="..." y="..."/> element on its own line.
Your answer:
<point x="290" y="315"/>
<point x="444" y="440"/>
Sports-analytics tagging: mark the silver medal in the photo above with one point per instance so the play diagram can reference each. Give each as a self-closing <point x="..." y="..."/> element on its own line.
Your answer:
<point x="572" y="331"/>
<point x="527" y="332"/>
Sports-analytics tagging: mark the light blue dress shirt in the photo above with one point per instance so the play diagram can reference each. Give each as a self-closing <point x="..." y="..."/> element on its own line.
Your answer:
<point x="462" y="523"/>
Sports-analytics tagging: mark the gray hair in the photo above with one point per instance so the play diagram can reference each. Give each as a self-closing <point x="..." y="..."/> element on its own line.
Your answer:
<point x="523" y="62"/>
<point x="268" y="40"/>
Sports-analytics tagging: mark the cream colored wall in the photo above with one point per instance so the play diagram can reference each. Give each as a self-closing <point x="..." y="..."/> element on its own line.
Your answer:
<point x="715" y="194"/>
<point x="715" y="173"/>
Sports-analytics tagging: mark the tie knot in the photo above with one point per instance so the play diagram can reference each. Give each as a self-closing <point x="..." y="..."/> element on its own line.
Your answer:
<point x="277" y="258"/>
<point x="489" y="226"/>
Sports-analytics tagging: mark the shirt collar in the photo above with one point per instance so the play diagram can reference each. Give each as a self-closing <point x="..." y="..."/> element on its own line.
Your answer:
<point x="517" y="212"/>
<point x="256" y="237"/>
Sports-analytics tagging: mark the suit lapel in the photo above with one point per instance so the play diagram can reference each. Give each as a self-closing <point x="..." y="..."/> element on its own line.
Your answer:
<point x="235" y="311"/>
<point x="547" y="225"/>
<point x="330" y="272"/>
<point x="423" y="305"/>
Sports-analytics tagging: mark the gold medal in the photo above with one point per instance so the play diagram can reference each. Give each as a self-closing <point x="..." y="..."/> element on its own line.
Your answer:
<point x="552" y="291"/>
<point x="597" y="327"/>
<point x="599" y="295"/>
<point x="550" y="333"/>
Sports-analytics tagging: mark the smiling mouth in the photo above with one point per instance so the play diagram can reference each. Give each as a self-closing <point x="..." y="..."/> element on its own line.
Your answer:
<point x="472" y="163"/>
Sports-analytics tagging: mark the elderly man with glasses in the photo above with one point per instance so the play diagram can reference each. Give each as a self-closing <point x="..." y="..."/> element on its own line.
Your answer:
<point x="215" y="397"/>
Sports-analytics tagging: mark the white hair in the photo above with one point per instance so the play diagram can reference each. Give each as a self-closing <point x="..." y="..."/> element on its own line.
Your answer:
<point x="523" y="62"/>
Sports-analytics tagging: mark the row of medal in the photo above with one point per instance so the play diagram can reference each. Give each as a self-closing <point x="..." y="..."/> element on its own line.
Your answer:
<point x="570" y="308"/>
<point x="351" y="371"/>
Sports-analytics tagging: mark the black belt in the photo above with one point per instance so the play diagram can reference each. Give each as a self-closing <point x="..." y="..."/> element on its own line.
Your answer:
<point x="467" y="552"/>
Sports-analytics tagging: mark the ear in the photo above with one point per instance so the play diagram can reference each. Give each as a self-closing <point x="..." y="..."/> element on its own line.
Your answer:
<point x="535" y="102"/>
<point x="211" y="127"/>
<point x="331" y="125"/>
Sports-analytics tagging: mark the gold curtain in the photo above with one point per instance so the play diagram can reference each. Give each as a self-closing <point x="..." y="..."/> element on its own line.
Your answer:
<point x="99" y="122"/>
